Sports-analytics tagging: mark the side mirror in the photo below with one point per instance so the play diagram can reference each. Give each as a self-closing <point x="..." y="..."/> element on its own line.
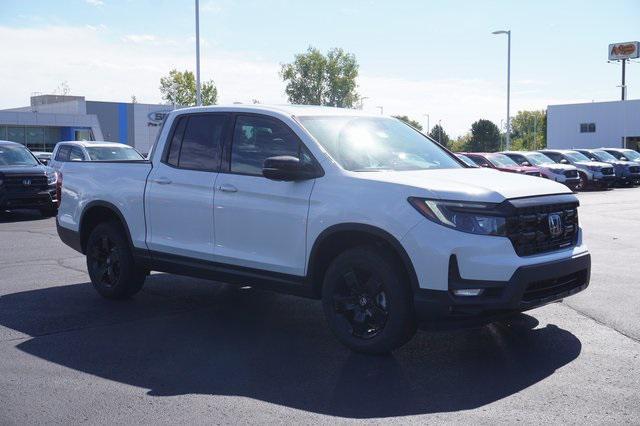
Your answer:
<point x="623" y="158"/>
<point x="564" y="161"/>
<point x="287" y="168"/>
<point x="526" y="164"/>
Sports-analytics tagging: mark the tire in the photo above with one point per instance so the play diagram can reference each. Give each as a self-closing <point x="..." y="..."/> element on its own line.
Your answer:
<point x="110" y="263"/>
<point x="582" y="185"/>
<point x="367" y="303"/>
<point x="49" y="211"/>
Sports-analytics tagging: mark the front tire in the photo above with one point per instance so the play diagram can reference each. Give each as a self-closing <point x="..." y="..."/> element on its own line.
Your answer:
<point x="112" y="268"/>
<point x="367" y="302"/>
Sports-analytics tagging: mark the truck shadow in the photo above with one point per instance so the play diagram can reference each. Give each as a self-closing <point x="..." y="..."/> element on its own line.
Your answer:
<point x="186" y="336"/>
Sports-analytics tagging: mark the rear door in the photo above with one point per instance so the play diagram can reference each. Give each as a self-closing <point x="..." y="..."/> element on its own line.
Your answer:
<point x="180" y="188"/>
<point x="261" y="223"/>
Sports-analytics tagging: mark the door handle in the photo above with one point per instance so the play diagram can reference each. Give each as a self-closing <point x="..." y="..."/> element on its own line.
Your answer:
<point x="227" y="188"/>
<point x="162" y="181"/>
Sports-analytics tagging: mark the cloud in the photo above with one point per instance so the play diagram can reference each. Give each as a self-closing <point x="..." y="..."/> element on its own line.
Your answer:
<point x="101" y="67"/>
<point x="211" y="7"/>
<point x="139" y="38"/>
<point x="95" y="2"/>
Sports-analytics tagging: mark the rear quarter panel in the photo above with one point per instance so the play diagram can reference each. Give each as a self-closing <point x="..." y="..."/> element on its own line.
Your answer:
<point x="121" y="184"/>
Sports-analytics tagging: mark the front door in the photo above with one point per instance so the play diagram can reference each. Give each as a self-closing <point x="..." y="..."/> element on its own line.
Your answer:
<point x="180" y="188"/>
<point x="261" y="223"/>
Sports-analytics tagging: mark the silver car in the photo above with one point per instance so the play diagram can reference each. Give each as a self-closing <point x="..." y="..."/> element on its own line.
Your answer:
<point x="562" y="173"/>
<point x="591" y="173"/>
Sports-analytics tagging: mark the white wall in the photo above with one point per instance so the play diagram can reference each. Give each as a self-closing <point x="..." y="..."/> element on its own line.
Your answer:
<point x="612" y="119"/>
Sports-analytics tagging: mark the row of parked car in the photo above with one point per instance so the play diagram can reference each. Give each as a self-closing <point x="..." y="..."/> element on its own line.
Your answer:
<point x="578" y="168"/>
<point x="30" y="179"/>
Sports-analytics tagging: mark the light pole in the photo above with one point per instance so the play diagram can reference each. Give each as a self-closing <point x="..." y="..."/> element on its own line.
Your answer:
<point x="428" y="128"/>
<point x="508" y="33"/>
<point x="198" y="92"/>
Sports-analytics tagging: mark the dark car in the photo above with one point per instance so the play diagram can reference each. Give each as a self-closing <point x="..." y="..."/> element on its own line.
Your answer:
<point x="495" y="160"/>
<point x="25" y="183"/>
<point x="627" y="172"/>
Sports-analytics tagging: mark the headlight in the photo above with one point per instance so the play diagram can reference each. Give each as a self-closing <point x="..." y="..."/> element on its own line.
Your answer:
<point x="52" y="178"/>
<point x="474" y="218"/>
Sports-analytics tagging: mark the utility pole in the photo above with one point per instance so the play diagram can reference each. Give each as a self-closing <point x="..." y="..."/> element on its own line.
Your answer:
<point x="508" y="33"/>
<point x="198" y="92"/>
<point x="428" y="128"/>
<point x="624" y="87"/>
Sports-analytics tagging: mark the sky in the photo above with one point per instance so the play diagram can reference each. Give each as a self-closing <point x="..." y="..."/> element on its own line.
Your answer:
<point x="417" y="58"/>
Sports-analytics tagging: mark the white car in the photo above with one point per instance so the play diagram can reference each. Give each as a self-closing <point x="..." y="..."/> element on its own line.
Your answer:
<point x="384" y="225"/>
<point x="67" y="151"/>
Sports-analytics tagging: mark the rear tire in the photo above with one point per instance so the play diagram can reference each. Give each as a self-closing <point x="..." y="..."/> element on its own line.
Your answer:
<point x="367" y="301"/>
<point x="582" y="185"/>
<point x="112" y="268"/>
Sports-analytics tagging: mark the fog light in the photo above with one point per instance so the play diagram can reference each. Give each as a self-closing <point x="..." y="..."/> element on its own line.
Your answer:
<point x="469" y="292"/>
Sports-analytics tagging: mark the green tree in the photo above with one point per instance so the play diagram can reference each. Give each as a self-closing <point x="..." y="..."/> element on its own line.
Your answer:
<point x="529" y="130"/>
<point x="485" y="136"/>
<point x="317" y="79"/>
<point x="461" y="143"/>
<point x="438" y="134"/>
<point x="179" y="88"/>
<point x="410" y="122"/>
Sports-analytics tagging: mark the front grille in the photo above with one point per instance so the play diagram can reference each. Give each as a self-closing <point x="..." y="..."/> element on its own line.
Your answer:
<point x="544" y="289"/>
<point x="607" y="171"/>
<point x="571" y="173"/>
<point x="529" y="229"/>
<point x="25" y="182"/>
<point x="634" y="169"/>
<point x="534" y="174"/>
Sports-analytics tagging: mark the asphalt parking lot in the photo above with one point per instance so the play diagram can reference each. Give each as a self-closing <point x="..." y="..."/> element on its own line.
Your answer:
<point x="191" y="351"/>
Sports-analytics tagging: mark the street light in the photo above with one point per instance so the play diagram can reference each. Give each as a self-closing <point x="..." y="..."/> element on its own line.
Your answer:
<point x="198" y="92"/>
<point x="427" y="115"/>
<point x="508" y="33"/>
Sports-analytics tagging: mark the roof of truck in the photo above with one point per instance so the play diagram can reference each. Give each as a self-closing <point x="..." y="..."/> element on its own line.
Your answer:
<point x="292" y="110"/>
<point x="94" y="143"/>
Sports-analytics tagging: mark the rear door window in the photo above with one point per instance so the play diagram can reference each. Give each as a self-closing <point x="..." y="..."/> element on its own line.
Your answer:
<point x="63" y="153"/>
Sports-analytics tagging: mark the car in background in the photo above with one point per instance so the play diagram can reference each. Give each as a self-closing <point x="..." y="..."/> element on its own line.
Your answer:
<point x="627" y="172"/>
<point x="25" y="183"/>
<point x="91" y="151"/>
<point x="466" y="160"/>
<point x="43" y="157"/>
<point x="494" y="160"/>
<point x="562" y="173"/>
<point x="591" y="173"/>
<point x="624" y="154"/>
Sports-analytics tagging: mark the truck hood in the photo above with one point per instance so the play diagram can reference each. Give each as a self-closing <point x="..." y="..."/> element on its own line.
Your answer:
<point x="519" y="169"/>
<point x="593" y="163"/>
<point x="469" y="184"/>
<point x="558" y="166"/>
<point x="21" y="170"/>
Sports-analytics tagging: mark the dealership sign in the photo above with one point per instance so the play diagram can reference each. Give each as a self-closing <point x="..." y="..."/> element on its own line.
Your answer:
<point x="628" y="50"/>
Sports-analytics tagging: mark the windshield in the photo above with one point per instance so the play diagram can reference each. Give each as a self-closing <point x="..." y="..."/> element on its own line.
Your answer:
<point x="376" y="143"/>
<point x="468" y="161"/>
<point x="16" y="156"/>
<point x="501" y="160"/>
<point x="632" y="155"/>
<point x="538" y="159"/>
<point x="576" y="156"/>
<point x="111" y="153"/>
<point x="603" y="156"/>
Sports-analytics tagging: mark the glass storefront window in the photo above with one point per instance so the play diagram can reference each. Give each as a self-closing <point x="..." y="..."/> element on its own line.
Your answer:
<point x="15" y="134"/>
<point x="35" y="138"/>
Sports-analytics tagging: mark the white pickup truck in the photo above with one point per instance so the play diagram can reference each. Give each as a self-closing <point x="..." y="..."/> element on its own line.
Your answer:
<point x="389" y="229"/>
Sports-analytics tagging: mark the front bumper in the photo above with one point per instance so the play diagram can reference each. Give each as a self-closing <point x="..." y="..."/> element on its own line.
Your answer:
<point x="529" y="287"/>
<point x="28" y="200"/>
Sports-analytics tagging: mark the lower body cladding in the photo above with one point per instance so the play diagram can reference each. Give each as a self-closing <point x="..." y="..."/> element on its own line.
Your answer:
<point x="602" y="181"/>
<point x="628" y="179"/>
<point x="43" y="200"/>
<point x="469" y="280"/>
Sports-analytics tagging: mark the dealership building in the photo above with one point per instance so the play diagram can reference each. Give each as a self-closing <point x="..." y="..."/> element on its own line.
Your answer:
<point x="594" y="125"/>
<point x="54" y="118"/>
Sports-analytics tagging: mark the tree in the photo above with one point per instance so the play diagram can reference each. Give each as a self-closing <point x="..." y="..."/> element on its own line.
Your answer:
<point x="438" y="134"/>
<point x="485" y="136"/>
<point x="315" y="79"/>
<point x="410" y="122"/>
<point x="529" y="130"/>
<point x="179" y="88"/>
<point x="461" y="143"/>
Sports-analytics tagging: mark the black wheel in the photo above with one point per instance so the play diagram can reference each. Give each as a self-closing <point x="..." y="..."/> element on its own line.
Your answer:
<point x="582" y="185"/>
<point x="367" y="302"/>
<point x="110" y="263"/>
<point x="49" y="211"/>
